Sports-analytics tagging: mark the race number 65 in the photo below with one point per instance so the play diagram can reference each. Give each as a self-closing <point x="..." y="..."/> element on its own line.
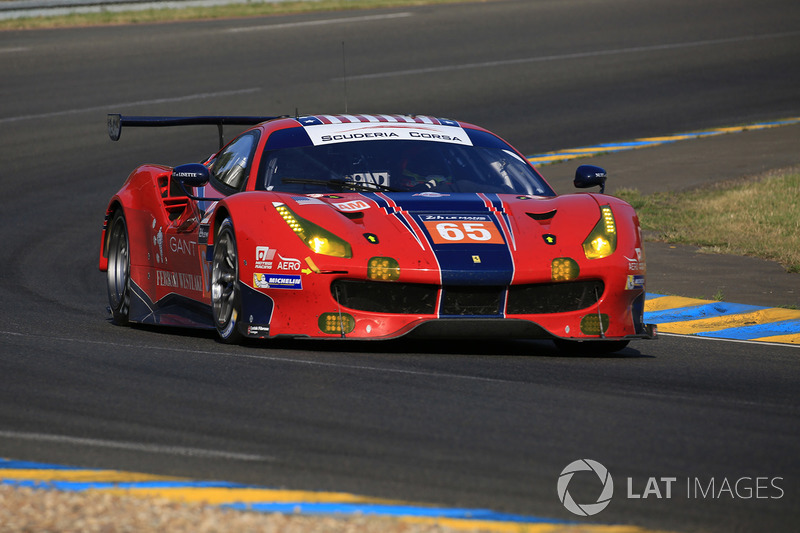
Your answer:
<point x="463" y="231"/>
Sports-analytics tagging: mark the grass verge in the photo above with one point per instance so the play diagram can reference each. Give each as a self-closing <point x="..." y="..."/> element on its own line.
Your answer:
<point x="250" y="9"/>
<point x="757" y="216"/>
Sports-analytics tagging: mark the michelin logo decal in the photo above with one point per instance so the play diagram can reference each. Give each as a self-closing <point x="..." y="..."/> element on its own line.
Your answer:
<point x="276" y="281"/>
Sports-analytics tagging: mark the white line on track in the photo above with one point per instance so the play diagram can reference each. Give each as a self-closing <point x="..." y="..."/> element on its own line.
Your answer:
<point x="739" y="341"/>
<point x="322" y="22"/>
<point x="289" y="360"/>
<point x="112" y="107"/>
<point x="13" y="49"/>
<point x="578" y="55"/>
<point x="133" y="446"/>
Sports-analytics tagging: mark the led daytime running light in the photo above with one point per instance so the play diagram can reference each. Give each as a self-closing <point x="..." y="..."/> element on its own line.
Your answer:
<point x="317" y="238"/>
<point x="383" y="269"/>
<point x="602" y="241"/>
<point x="336" y="323"/>
<point x="564" y="269"/>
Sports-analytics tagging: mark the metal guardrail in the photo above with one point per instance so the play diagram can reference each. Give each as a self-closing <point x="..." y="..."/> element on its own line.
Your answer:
<point x="43" y="8"/>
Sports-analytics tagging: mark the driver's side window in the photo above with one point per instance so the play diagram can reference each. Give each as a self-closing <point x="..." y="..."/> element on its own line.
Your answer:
<point x="231" y="166"/>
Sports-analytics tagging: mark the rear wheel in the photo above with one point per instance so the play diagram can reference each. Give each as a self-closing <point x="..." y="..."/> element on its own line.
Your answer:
<point x="225" y="292"/>
<point x="589" y="347"/>
<point x="118" y="275"/>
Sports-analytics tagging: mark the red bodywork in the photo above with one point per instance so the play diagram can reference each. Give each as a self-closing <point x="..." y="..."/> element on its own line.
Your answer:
<point x="470" y="264"/>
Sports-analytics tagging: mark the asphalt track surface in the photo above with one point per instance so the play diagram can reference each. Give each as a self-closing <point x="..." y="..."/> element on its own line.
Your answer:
<point x="486" y="425"/>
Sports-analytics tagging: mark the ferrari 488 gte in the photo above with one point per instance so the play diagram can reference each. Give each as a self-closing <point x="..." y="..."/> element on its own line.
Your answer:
<point x="371" y="227"/>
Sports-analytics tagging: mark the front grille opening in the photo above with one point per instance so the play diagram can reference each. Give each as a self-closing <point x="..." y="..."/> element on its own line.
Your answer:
<point x="386" y="297"/>
<point x="421" y="299"/>
<point x="553" y="297"/>
<point x="472" y="300"/>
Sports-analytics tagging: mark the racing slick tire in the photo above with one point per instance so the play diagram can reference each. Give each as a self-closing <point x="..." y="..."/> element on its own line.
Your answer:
<point x="226" y="298"/>
<point x="118" y="274"/>
<point x="589" y="348"/>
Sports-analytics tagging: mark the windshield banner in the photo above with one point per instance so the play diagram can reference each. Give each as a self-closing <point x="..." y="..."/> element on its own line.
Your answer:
<point x="337" y="133"/>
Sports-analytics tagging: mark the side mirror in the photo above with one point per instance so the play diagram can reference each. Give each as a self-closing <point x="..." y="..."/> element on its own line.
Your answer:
<point x="590" y="176"/>
<point x="191" y="175"/>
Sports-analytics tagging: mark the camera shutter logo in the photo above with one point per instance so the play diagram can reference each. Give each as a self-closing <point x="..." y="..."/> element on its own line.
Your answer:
<point x="586" y="509"/>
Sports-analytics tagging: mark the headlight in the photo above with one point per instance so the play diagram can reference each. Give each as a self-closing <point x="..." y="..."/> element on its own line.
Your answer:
<point x="317" y="238"/>
<point x="602" y="241"/>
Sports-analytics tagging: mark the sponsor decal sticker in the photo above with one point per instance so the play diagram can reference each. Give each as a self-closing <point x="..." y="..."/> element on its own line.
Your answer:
<point x="381" y="179"/>
<point x="202" y="234"/>
<point x="355" y="205"/>
<point x="179" y="280"/>
<point x="258" y="330"/>
<point x="266" y="260"/>
<point x="182" y="246"/>
<point x="264" y="257"/>
<point x="277" y="281"/>
<point x="430" y="194"/>
<point x="636" y="264"/>
<point x="634" y="282"/>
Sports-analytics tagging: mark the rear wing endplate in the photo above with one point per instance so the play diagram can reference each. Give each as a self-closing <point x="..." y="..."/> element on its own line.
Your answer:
<point x="117" y="121"/>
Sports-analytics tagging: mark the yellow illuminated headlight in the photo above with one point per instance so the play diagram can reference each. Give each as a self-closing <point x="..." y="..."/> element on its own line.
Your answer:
<point x="329" y="246"/>
<point x="336" y="323"/>
<point x="317" y="238"/>
<point x="383" y="269"/>
<point x="564" y="269"/>
<point x="602" y="241"/>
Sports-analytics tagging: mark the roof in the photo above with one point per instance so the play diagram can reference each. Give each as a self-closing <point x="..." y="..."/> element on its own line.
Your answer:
<point x="314" y="120"/>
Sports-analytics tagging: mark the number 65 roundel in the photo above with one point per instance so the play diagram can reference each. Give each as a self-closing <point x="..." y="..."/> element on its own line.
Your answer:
<point x="463" y="231"/>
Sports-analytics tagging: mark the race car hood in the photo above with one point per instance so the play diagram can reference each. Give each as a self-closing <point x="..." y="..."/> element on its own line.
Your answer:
<point x="468" y="238"/>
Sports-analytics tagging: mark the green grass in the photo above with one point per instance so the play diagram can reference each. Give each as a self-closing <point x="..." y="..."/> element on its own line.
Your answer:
<point x="207" y="13"/>
<point x="759" y="217"/>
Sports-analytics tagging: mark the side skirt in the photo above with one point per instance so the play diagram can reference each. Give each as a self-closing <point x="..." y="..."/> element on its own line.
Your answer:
<point x="171" y="310"/>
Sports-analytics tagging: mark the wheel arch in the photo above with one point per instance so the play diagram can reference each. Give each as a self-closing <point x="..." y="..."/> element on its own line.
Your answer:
<point x="220" y="214"/>
<point x="111" y="211"/>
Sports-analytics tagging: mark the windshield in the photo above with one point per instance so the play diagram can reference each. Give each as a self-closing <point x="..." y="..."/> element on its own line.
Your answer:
<point x="399" y="166"/>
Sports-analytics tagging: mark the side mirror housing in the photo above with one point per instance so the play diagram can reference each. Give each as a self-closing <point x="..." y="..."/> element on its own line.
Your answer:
<point x="191" y="175"/>
<point x="590" y="176"/>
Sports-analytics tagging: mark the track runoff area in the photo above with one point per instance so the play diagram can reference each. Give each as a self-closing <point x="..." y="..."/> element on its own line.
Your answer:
<point x="673" y="314"/>
<point x="251" y="498"/>
<point x="689" y="316"/>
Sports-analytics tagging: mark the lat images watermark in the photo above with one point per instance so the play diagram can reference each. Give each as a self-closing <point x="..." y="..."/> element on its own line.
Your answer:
<point x="661" y="487"/>
<point x="586" y="509"/>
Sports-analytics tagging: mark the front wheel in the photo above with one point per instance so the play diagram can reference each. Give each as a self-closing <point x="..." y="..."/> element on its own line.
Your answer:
<point x="118" y="274"/>
<point x="225" y="292"/>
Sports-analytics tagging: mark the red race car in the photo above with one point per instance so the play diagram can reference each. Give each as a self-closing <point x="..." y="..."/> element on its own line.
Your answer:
<point x="371" y="227"/>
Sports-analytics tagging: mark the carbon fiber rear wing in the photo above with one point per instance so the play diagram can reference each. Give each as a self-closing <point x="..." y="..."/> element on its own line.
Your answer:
<point x="117" y="121"/>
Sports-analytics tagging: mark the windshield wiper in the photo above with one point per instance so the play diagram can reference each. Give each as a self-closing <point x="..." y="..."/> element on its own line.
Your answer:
<point x="343" y="184"/>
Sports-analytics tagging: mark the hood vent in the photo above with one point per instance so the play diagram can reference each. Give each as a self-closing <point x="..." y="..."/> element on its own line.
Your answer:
<point x="544" y="218"/>
<point x="353" y="215"/>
